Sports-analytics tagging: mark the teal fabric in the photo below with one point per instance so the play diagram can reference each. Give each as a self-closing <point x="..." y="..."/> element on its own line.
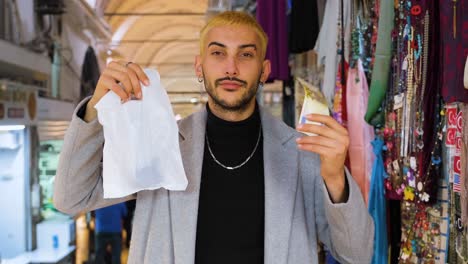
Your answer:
<point x="381" y="70"/>
<point x="378" y="206"/>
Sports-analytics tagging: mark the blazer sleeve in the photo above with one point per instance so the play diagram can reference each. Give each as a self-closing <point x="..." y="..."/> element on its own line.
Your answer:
<point x="346" y="229"/>
<point x="78" y="182"/>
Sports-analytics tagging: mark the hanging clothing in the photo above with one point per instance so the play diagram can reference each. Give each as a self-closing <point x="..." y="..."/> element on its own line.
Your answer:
<point x="361" y="133"/>
<point x="89" y="74"/>
<point x="320" y="11"/>
<point x="377" y="205"/>
<point x="302" y="38"/>
<point x="325" y="46"/>
<point x="339" y="101"/>
<point x="271" y="14"/>
<point x="383" y="53"/>
<point x="454" y="48"/>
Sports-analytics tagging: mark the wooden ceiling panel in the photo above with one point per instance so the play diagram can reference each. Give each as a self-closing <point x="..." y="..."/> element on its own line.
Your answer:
<point x="161" y="34"/>
<point x="157" y="53"/>
<point x="159" y="28"/>
<point x="150" y="7"/>
<point x="167" y="53"/>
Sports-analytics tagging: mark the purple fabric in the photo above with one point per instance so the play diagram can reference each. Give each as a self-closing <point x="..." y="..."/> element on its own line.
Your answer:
<point x="271" y="14"/>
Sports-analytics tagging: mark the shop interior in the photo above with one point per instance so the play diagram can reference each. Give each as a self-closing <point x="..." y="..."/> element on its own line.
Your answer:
<point x="394" y="73"/>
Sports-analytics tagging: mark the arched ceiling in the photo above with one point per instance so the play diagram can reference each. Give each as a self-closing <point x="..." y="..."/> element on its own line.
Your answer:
<point x="162" y="34"/>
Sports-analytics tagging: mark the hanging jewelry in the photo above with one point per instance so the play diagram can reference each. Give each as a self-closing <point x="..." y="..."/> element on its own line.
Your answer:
<point x="409" y="96"/>
<point x="423" y="74"/>
<point x="454" y="18"/>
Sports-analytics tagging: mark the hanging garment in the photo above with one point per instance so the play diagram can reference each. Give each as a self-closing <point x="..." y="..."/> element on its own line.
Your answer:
<point x="383" y="53"/>
<point x="454" y="48"/>
<point x="339" y="101"/>
<point x="302" y="38"/>
<point x="320" y="11"/>
<point x="326" y="44"/>
<point x="89" y="74"/>
<point x="360" y="147"/>
<point x="377" y="205"/>
<point x="271" y="14"/>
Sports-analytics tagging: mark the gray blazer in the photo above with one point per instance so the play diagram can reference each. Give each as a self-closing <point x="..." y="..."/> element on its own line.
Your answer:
<point x="298" y="211"/>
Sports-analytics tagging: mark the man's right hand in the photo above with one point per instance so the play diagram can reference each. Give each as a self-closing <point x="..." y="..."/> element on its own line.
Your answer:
<point x="121" y="77"/>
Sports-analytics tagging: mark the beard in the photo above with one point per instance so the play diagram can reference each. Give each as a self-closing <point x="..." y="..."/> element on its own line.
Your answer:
<point x="249" y="93"/>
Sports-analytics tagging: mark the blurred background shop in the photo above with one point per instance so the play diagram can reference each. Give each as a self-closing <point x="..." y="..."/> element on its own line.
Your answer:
<point x="51" y="54"/>
<point x="390" y="71"/>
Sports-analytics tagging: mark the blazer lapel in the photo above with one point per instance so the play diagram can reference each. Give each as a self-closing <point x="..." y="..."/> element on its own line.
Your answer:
<point x="184" y="204"/>
<point x="280" y="187"/>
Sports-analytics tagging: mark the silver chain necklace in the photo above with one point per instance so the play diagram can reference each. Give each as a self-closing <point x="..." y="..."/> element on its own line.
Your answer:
<point x="243" y="163"/>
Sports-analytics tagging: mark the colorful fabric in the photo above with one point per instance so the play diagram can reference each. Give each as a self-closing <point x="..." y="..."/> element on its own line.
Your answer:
<point x="377" y="205"/>
<point x="381" y="70"/>
<point x="360" y="148"/>
<point x="271" y="14"/>
<point x="339" y="101"/>
<point x="327" y="53"/>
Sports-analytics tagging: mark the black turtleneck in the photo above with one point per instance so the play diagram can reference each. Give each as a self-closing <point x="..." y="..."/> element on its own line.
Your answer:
<point x="230" y="226"/>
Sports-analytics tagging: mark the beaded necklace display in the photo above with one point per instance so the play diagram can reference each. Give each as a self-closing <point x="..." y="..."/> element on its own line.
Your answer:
<point x="454" y="19"/>
<point x="392" y="131"/>
<point x="369" y="32"/>
<point x="409" y="178"/>
<point x="418" y="133"/>
<point x="421" y="223"/>
<point x="409" y="95"/>
<point x="404" y="126"/>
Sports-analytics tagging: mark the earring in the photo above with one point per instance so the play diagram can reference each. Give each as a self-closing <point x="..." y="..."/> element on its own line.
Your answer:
<point x="200" y="79"/>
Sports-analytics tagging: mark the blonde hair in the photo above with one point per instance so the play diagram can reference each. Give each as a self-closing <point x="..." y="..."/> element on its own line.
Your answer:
<point x="234" y="18"/>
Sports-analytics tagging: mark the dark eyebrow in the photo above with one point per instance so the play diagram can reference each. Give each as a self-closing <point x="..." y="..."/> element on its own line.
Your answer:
<point x="248" y="46"/>
<point x="214" y="43"/>
<point x="217" y="44"/>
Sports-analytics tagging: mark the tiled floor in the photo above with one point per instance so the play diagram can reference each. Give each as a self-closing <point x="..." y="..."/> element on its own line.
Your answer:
<point x="83" y="240"/>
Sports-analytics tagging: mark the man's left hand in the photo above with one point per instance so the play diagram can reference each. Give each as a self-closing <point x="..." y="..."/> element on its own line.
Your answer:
<point x="331" y="143"/>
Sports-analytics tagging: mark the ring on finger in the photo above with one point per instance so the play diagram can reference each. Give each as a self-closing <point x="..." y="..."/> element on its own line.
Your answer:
<point x="128" y="63"/>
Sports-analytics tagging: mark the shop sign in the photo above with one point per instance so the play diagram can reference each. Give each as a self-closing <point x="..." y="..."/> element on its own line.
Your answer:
<point x="18" y="103"/>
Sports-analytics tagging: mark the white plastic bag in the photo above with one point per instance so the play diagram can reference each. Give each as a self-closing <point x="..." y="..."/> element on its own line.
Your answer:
<point x="141" y="149"/>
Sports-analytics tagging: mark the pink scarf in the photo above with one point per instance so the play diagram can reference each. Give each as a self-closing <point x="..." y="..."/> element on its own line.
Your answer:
<point x="360" y="133"/>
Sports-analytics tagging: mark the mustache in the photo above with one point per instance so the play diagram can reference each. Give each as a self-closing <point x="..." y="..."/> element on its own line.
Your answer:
<point x="218" y="81"/>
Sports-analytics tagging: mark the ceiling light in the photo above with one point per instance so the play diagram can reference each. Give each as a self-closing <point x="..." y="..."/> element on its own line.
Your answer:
<point x="12" y="127"/>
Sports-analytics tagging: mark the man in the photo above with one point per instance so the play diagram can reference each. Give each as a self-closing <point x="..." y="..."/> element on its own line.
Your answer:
<point x="259" y="192"/>
<point x="108" y="231"/>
